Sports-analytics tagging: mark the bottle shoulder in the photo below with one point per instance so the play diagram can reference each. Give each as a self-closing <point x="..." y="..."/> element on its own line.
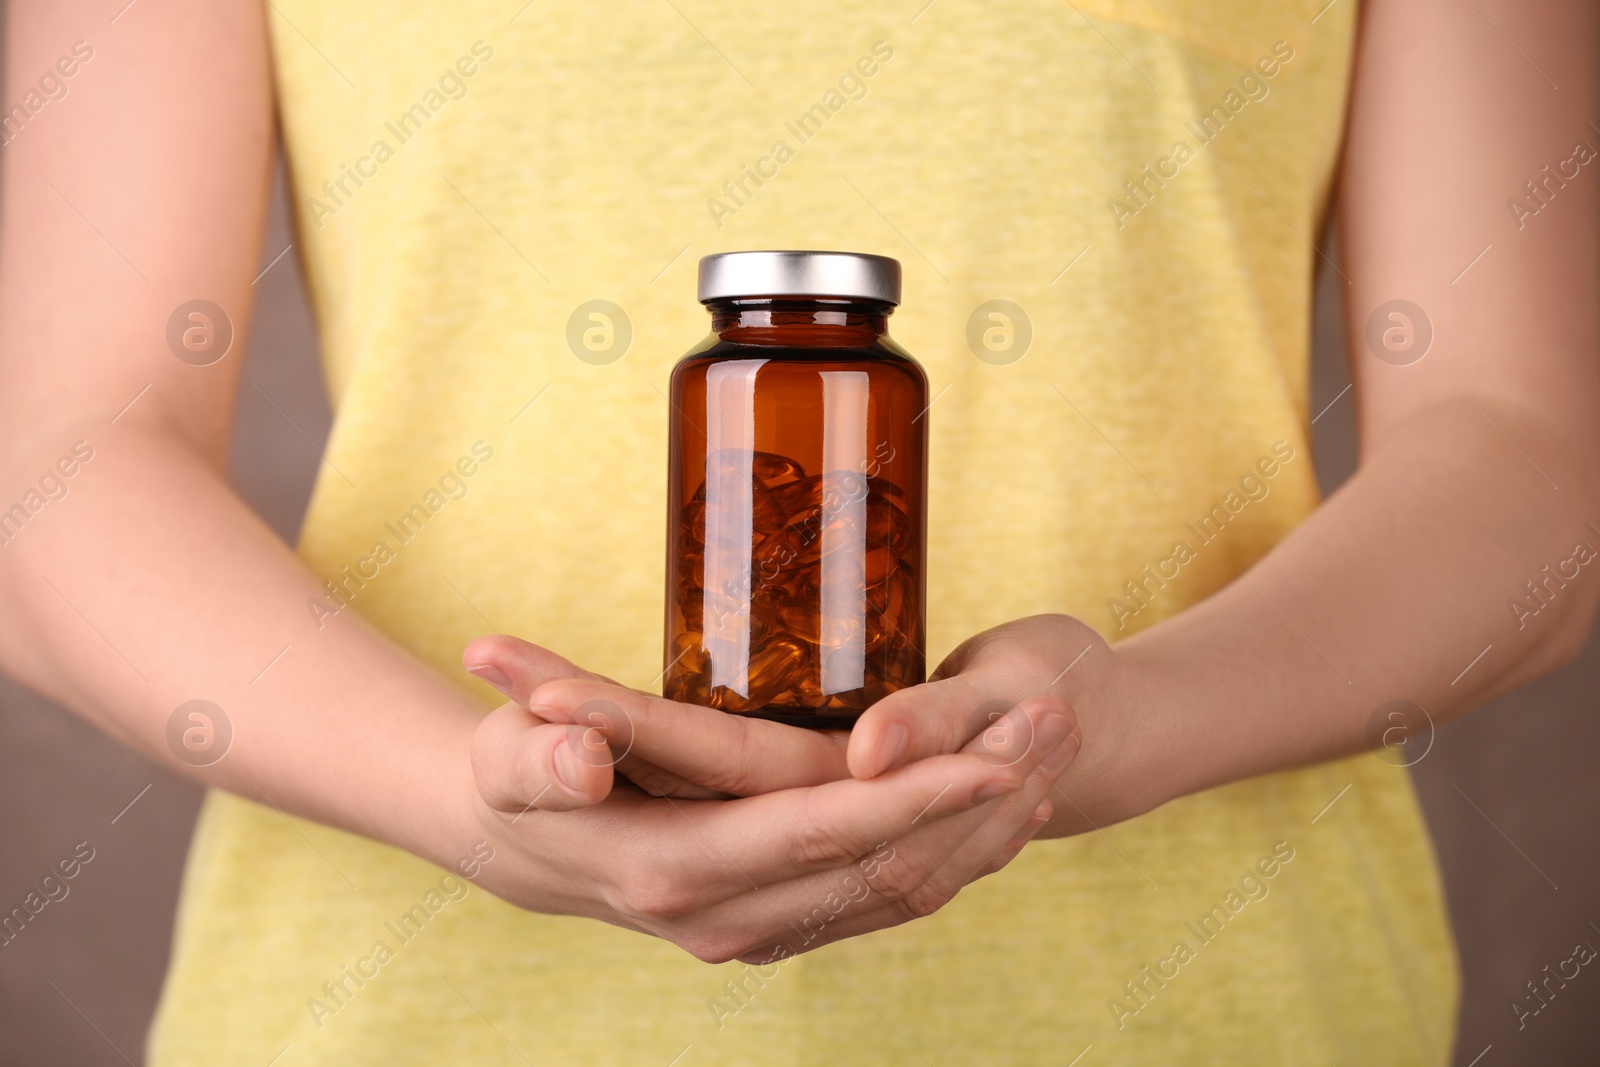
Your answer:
<point x="883" y="352"/>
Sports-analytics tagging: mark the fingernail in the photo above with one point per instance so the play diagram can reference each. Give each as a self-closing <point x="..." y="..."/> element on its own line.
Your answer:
<point x="1063" y="755"/>
<point x="896" y="739"/>
<point x="493" y="675"/>
<point x="567" y="767"/>
<point x="1023" y="836"/>
<point x="997" y="788"/>
<point x="548" y="712"/>
<point x="1051" y="731"/>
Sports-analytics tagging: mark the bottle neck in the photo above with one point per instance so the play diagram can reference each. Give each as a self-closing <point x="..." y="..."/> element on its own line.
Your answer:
<point x="800" y="322"/>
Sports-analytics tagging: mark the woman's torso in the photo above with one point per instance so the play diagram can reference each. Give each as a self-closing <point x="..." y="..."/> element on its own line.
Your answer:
<point x="594" y="153"/>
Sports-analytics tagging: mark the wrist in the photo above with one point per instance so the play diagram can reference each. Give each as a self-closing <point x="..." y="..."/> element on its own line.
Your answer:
<point x="442" y="824"/>
<point x="1128" y="764"/>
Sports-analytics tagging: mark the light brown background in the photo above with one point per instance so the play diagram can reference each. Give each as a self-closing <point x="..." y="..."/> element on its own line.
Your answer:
<point x="80" y="983"/>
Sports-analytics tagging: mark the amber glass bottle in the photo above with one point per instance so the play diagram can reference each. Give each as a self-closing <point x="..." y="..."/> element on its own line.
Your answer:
<point x="796" y="497"/>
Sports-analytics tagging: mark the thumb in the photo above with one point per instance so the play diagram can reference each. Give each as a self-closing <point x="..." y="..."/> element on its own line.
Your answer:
<point x="520" y="762"/>
<point x="924" y="720"/>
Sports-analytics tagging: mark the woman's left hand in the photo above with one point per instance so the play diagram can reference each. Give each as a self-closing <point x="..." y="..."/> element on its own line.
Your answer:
<point x="987" y="675"/>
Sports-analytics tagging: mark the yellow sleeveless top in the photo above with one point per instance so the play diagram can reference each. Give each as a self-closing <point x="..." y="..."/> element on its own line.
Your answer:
<point x="1138" y="178"/>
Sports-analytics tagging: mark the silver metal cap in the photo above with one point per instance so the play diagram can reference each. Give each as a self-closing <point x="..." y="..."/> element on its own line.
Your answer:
<point x="844" y="274"/>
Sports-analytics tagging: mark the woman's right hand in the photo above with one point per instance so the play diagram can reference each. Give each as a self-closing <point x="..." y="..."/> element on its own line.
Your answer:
<point x="568" y="734"/>
<point x="767" y="876"/>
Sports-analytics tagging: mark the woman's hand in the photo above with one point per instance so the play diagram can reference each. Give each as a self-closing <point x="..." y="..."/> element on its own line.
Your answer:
<point x="987" y="675"/>
<point x="582" y="725"/>
<point x="568" y="732"/>
<point x="767" y="876"/>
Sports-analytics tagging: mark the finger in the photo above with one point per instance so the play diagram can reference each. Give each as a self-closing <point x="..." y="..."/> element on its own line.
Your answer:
<point x="516" y="667"/>
<point x="1018" y="842"/>
<point x="722" y="753"/>
<point x="521" y="762"/>
<point x="829" y="826"/>
<point x="1009" y="826"/>
<point x="925" y="873"/>
<point x="800" y="914"/>
<point x="662" y="783"/>
<point x="917" y="722"/>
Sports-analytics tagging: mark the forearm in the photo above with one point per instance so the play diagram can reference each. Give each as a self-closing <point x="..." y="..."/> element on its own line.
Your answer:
<point x="148" y="583"/>
<point x="1477" y="475"/>
<point x="1389" y="591"/>
<point x="151" y="584"/>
